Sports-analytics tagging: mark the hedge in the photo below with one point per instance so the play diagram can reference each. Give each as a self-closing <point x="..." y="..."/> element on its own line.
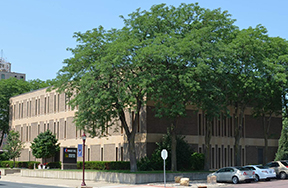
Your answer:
<point x="105" y="165"/>
<point x="19" y="164"/>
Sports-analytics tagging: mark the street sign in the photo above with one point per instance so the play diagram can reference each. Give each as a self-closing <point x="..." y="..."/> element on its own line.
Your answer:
<point x="164" y="154"/>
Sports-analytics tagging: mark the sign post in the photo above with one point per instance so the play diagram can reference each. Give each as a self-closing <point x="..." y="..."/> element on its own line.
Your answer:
<point x="164" y="155"/>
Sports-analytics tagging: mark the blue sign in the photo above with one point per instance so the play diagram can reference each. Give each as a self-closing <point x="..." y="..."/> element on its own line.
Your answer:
<point x="80" y="150"/>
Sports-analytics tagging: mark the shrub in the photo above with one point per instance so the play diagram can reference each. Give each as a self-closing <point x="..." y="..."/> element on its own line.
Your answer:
<point x="155" y="162"/>
<point x="197" y="161"/>
<point x="105" y="165"/>
<point x="54" y="165"/>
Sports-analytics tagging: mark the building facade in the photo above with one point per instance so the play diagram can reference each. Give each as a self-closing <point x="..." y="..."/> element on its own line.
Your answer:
<point x="5" y="71"/>
<point x="37" y="111"/>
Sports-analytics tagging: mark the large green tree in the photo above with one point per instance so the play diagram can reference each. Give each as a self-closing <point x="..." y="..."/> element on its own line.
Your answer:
<point x="13" y="145"/>
<point x="9" y="88"/>
<point x="45" y="145"/>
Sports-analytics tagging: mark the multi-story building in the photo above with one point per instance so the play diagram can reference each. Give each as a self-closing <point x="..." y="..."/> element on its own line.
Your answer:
<point x="5" y="71"/>
<point x="37" y="111"/>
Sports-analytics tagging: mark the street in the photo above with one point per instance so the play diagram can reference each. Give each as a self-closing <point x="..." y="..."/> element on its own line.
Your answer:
<point x="4" y="184"/>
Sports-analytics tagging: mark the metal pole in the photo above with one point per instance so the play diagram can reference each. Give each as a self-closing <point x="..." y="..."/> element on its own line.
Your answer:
<point x="83" y="182"/>
<point x="164" y="175"/>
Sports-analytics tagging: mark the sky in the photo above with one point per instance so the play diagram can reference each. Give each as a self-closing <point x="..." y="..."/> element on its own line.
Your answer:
<point x="34" y="34"/>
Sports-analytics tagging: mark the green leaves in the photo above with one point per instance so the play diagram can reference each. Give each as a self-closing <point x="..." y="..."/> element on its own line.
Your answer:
<point x="45" y="145"/>
<point x="13" y="145"/>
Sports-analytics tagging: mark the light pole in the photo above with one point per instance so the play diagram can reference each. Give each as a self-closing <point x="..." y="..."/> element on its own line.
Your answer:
<point x="84" y="139"/>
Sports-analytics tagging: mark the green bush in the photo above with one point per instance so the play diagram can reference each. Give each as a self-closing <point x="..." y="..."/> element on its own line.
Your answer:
<point x="105" y="165"/>
<point x="19" y="164"/>
<point x="155" y="162"/>
<point x="197" y="161"/>
<point x="54" y="165"/>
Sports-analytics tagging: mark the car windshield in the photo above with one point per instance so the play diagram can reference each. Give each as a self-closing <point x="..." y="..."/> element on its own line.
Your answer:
<point x="262" y="167"/>
<point x="284" y="163"/>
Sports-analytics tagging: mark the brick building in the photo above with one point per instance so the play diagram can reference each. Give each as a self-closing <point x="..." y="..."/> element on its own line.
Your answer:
<point x="37" y="111"/>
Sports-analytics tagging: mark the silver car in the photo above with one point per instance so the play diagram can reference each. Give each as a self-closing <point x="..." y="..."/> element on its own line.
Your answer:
<point x="234" y="175"/>
<point x="280" y="168"/>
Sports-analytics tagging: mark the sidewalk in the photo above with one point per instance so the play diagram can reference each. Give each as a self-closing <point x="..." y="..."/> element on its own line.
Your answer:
<point x="92" y="184"/>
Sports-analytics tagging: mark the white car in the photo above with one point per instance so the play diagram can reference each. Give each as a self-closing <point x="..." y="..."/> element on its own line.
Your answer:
<point x="262" y="172"/>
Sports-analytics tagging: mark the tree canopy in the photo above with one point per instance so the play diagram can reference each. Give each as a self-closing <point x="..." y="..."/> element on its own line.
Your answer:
<point x="13" y="145"/>
<point x="175" y="56"/>
<point x="45" y="145"/>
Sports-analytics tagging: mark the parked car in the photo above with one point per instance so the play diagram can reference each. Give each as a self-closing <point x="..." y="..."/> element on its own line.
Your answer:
<point x="262" y="172"/>
<point x="234" y="175"/>
<point x="280" y="167"/>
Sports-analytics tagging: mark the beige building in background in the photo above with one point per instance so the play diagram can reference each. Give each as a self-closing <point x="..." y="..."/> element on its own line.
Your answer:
<point x="37" y="111"/>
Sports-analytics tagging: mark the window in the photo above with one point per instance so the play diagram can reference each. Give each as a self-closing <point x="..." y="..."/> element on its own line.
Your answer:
<point x="45" y="105"/>
<point x="58" y="130"/>
<point x="54" y="128"/>
<point x="36" y="107"/>
<point x="2" y="76"/>
<point x="44" y="127"/>
<point x="54" y="103"/>
<point x="116" y="153"/>
<point x="47" y="126"/>
<point x="22" y="109"/>
<point x="21" y="77"/>
<point x="38" y="129"/>
<point x="39" y="106"/>
<point x="48" y="104"/>
<point x="27" y="134"/>
<point x="21" y="135"/>
<point x="30" y="109"/>
<point x="19" y="115"/>
<point x="199" y="124"/>
<point x="65" y="130"/>
<point x="58" y="103"/>
<point x="122" y="154"/>
<point x="102" y="154"/>
<point x="27" y="115"/>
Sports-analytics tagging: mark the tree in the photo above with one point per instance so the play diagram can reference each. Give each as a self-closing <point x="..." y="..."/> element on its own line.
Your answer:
<point x="45" y="145"/>
<point x="9" y="88"/>
<point x="13" y="145"/>
<point x="282" y="152"/>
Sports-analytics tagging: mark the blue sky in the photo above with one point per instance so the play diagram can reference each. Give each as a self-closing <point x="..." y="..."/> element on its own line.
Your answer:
<point x="34" y="34"/>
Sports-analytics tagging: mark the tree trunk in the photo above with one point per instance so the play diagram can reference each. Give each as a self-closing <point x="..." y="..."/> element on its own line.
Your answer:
<point x="238" y="125"/>
<point x="14" y="162"/>
<point x="132" y="153"/>
<point x="266" y="126"/>
<point x="207" y="145"/>
<point x="173" y="147"/>
<point x="131" y="134"/>
<point x="2" y="137"/>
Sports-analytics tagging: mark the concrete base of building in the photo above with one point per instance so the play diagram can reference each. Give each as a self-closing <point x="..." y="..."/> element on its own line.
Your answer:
<point x="126" y="178"/>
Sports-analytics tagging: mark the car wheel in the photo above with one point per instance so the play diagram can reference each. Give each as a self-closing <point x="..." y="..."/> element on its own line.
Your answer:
<point x="235" y="180"/>
<point x="257" y="178"/>
<point x="282" y="175"/>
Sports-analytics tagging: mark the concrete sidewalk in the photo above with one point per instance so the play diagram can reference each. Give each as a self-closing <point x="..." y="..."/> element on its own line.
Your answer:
<point x="92" y="184"/>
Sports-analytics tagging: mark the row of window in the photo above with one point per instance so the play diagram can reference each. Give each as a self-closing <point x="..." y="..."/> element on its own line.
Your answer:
<point x="222" y="127"/>
<point x="223" y="156"/>
<point x="37" y="105"/>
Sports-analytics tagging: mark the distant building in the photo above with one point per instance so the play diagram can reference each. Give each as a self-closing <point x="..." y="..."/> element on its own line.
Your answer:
<point x="5" y="71"/>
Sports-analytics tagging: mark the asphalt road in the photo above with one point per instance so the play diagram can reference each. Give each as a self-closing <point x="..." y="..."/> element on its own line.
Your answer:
<point x="4" y="184"/>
